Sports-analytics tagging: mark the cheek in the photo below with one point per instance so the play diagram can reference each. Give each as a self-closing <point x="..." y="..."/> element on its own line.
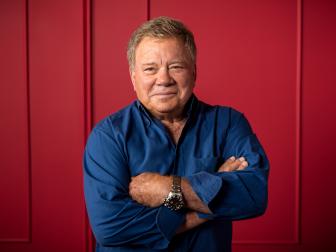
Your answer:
<point x="186" y="83"/>
<point x="143" y="84"/>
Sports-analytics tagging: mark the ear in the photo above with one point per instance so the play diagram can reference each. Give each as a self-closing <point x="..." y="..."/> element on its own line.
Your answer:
<point x="195" y="73"/>
<point x="132" y="75"/>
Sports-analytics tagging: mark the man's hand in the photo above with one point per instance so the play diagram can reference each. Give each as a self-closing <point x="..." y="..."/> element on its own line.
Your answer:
<point x="150" y="189"/>
<point x="233" y="164"/>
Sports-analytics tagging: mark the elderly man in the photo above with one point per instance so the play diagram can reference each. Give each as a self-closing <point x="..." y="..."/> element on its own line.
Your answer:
<point x="169" y="172"/>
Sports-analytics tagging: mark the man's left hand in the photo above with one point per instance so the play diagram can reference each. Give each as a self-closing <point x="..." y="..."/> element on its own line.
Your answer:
<point x="150" y="189"/>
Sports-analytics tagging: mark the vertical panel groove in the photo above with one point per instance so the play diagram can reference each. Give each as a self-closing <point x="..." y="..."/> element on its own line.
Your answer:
<point x="87" y="57"/>
<point x="148" y="10"/>
<point x="29" y="146"/>
<point x="298" y="118"/>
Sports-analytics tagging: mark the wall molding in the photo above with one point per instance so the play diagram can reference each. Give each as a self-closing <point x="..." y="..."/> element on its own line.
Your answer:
<point x="87" y="92"/>
<point x="28" y="239"/>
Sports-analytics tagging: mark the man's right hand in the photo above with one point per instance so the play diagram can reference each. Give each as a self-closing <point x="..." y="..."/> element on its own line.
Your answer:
<point x="233" y="164"/>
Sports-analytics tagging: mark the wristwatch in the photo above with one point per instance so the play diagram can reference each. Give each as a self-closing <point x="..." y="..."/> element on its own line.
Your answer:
<point x="174" y="200"/>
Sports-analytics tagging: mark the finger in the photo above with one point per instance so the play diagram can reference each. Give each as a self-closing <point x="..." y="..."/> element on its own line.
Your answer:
<point x="242" y="166"/>
<point x="230" y="160"/>
<point x="237" y="163"/>
<point x="233" y="164"/>
<point x="226" y="165"/>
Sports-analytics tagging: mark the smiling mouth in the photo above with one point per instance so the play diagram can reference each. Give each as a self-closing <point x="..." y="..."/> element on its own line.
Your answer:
<point x="165" y="94"/>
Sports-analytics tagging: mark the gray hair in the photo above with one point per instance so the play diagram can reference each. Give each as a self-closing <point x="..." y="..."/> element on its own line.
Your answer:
<point x="161" y="27"/>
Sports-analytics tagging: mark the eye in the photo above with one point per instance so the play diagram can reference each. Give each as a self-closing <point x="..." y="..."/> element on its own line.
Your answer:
<point x="149" y="69"/>
<point x="176" y="67"/>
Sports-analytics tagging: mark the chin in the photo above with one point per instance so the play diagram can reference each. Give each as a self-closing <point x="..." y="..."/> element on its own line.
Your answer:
<point x="165" y="109"/>
<point x="165" y="105"/>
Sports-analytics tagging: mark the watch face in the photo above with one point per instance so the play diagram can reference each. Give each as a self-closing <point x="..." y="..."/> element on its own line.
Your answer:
<point x="174" y="201"/>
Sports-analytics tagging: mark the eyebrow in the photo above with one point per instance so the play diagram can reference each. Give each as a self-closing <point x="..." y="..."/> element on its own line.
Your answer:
<point x="177" y="61"/>
<point x="148" y="64"/>
<point x="170" y="63"/>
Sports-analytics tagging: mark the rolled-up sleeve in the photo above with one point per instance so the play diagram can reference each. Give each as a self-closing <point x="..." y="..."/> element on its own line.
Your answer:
<point x="238" y="194"/>
<point x="116" y="219"/>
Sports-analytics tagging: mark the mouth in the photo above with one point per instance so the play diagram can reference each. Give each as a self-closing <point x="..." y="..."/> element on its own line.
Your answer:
<point x="165" y="94"/>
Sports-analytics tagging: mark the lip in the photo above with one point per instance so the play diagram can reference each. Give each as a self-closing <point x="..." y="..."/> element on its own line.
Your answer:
<point x="164" y="94"/>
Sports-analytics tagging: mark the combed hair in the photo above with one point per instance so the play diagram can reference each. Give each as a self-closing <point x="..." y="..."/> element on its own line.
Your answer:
<point x="161" y="27"/>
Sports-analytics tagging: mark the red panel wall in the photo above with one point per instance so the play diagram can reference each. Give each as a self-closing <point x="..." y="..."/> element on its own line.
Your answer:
<point x="42" y="126"/>
<point x="56" y="95"/>
<point x="319" y="124"/>
<point x="14" y="178"/>
<point x="63" y="68"/>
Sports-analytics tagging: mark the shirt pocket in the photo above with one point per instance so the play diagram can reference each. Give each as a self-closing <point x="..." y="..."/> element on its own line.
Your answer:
<point x="208" y="164"/>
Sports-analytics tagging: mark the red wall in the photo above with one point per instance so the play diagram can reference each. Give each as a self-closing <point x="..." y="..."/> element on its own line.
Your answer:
<point x="63" y="68"/>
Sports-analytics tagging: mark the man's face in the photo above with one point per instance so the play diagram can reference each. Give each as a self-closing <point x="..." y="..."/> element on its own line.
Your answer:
<point x="163" y="75"/>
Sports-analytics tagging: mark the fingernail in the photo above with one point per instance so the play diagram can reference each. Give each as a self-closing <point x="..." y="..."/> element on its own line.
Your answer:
<point x="242" y="159"/>
<point x="232" y="158"/>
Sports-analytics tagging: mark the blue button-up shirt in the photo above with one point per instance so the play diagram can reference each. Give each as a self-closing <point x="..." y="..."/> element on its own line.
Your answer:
<point x="132" y="141"/>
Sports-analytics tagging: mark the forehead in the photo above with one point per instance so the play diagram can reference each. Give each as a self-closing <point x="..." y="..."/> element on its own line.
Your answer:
<point x="150" y="47"/>
<point x="149" y="39"/>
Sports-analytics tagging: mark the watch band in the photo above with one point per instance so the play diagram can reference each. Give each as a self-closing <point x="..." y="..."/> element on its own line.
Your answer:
<point x="176" y="186"/>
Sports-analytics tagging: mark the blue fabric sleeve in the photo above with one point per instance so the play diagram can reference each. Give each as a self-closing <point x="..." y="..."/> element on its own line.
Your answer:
<point x="238" y="194"/>
<point x="116" y="219"/>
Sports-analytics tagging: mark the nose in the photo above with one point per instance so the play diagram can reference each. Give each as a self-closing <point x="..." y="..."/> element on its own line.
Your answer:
<point x="163" y="77"/>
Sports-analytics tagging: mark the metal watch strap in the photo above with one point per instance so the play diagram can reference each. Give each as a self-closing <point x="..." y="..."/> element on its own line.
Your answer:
<point x="176" y="186"/>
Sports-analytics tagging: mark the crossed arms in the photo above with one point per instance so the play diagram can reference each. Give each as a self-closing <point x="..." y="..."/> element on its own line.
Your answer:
<point x="150" y="189"/>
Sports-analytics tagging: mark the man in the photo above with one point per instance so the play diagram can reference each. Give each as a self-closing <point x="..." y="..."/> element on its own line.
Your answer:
<point x="154" y="172"/>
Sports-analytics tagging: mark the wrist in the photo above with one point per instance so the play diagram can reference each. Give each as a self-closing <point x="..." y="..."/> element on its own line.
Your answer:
<point x="174" y="200"/>
<point x="192" y="201"/>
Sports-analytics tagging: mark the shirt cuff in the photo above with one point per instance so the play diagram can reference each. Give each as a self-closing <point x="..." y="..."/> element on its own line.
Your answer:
<point x="206" y="186"/>
<point x="168" y="221"/>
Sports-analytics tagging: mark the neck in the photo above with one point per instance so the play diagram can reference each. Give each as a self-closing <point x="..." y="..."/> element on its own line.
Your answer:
<point x="174" y="126"/>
